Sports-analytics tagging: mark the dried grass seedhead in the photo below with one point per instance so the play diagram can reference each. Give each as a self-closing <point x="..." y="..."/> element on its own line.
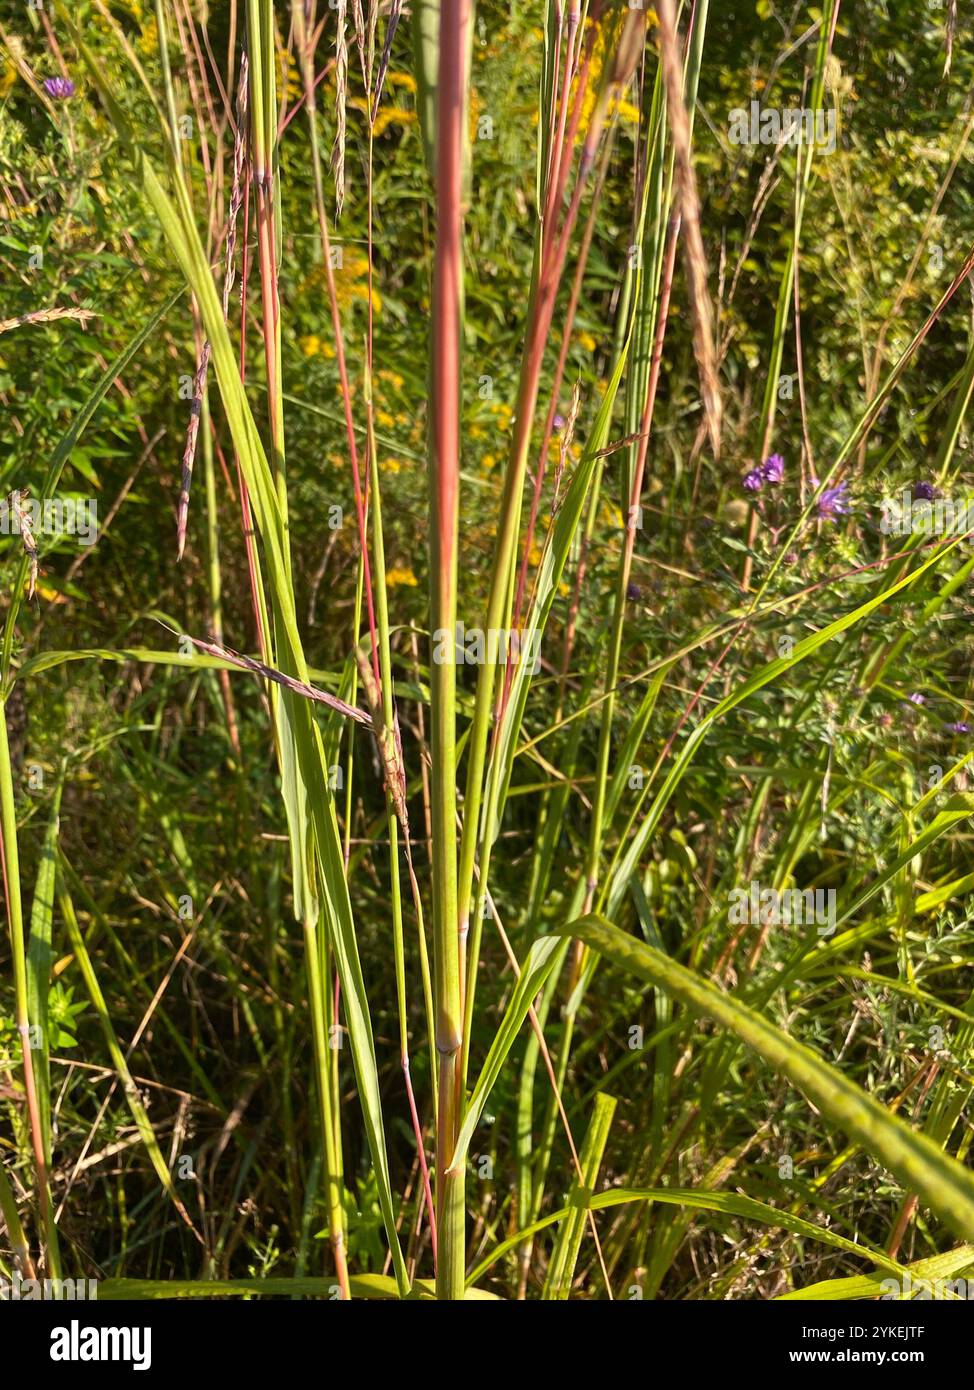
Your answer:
<point x="689" y="206"/>
<point x="629" y="48"/>
<point x="341" y="101"/>
<point x="23" y="522"/>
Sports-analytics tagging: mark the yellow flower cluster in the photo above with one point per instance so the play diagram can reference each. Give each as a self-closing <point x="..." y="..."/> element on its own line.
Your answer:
<point x="286" y="63"/>
<point x="625" y="110"/>
<point x="385" y="116"/>
<point x="504" y="413"/>
<point x="397" y="577"/>
<point x="351" y="280"/>
<point x="313" y="346"/>
<point x="148" y="41"/>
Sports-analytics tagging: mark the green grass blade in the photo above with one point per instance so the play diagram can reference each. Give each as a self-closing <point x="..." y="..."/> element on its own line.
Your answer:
<point x="727" y="1203"/>
<point x="564" y="1257"/>
<point x="536" y="969"/>
<point x="132" y="1098"/>
<point x="636" y="843"/>
<point x="924" y="1274"/>
<point x="944" y="1184"/>
<point x="39" y="962"/>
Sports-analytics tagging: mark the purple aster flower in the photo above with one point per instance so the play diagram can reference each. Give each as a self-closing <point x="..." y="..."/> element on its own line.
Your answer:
<point x="60" y="88"/>
<point x="924" y="492"/>
<point x="753" y="481"/>
<point x="959" y="728"/>
<point x="773" y="469"/>
<point x="833" y="502"/>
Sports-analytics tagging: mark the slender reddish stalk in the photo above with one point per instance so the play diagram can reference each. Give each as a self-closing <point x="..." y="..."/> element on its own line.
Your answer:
<point x="444" y="501"/>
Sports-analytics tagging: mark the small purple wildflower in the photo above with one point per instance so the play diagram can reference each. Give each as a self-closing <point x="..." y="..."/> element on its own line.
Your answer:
<point x="60" y="88"/>
<point x="558" y="422"/>
<point x="833" y="502"/>
<point x="924" y="492"/>
<point x="917" y="699"/>
<point x="773" y="469"/>
<point x="753" y="481"/>
<point x="633" y="591"/>
<point x="959" y="728"/>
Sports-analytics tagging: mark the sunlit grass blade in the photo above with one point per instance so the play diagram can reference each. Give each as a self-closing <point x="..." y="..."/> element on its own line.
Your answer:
<point x="693" y="1199"/>
<point x="40" y="959"/>
<point x="132" y="1098"/>
<point x="942" y="1183"/>
<point x="564" y="1257"/>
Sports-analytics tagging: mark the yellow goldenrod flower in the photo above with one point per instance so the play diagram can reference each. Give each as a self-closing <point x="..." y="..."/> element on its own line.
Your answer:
<point x="286" y="60"/>
<point x="393" y="115"/>
<point x="351" y="280"/>
<point x="386" y="116"/>
<point x="395" y="577"/>
<point x="626" y="111"/>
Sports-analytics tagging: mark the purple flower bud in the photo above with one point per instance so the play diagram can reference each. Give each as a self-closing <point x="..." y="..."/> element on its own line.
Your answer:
<point x="924" y="492"/>
<point x="959" y="728"/>
<point x="753" y="481"/>
<point x="917" y="699"/>
<point x="559" y="422"/>
<point x="60" y="88"/>
<point x="834" y="502"/>
<point x="773" y="469"/>
<point x="633" y="591"/>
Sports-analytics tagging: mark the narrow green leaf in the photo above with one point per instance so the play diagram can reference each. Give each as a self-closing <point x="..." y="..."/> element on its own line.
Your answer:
<point x="944" y="1184"/>
<point x="39" y="960"/>
<point x="541" y="961"/>
<point x="564" y="1257"/>
<point x="924" y="1275"/>
<point x="132" y="1098"/>
<point x="728" y="1203"/>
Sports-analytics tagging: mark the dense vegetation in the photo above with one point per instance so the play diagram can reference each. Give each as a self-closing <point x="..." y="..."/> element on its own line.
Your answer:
<point x="311" y="929"/>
